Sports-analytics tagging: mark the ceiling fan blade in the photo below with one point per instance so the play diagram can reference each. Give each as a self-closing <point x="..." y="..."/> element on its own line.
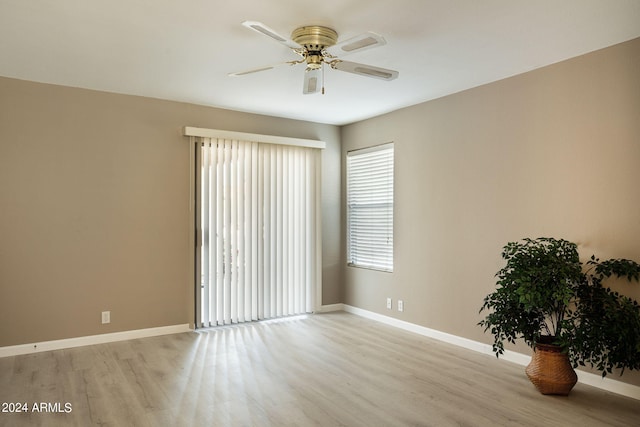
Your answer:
<point x="255" y="70"/>
<point x="312" y="81"/>
<point x="365" y="70"/>
<point x="265" y="68"/>
<point x="263" y="29"/>
<point x="359" y="43"/>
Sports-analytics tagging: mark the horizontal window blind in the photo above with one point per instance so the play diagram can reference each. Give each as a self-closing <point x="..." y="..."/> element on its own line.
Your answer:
<point x="370" y="207"/>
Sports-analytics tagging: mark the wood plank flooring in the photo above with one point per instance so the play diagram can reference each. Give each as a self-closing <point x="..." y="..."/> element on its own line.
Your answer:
<point x="333" y="369"/>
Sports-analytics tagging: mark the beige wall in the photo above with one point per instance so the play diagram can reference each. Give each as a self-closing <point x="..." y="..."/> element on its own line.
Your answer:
<point x="94" y="214"/>
<point x="554" y="152"/>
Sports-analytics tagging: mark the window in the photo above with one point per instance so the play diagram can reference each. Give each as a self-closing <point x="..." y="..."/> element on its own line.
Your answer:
<point x="370" y="207"/>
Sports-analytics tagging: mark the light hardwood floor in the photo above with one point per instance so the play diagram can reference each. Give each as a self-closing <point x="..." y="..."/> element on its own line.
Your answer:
<point x="333" y="369"/>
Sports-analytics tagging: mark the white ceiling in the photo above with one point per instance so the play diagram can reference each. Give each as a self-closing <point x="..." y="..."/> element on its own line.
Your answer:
<point x="183" y="50"/>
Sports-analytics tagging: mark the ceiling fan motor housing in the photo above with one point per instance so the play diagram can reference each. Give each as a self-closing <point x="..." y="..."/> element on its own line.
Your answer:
<point x="314" y="37"/>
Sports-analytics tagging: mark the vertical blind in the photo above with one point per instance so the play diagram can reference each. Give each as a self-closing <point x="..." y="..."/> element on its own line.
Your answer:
<point x="370" y="207"/>
<point x="258" y="236"/>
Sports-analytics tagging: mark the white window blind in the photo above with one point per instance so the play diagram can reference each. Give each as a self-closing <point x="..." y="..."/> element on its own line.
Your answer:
<point x="259" y="245"/>
<point x="370" y="207"/>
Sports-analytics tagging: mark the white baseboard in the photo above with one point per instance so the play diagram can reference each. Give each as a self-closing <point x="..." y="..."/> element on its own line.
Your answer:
<point x="609" y="384"/>
<point x="331" y="307"/>
<point x="587" y="378"/>
<point x="15" y="350"/>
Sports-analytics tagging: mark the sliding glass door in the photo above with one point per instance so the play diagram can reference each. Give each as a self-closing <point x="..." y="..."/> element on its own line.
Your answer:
<point x="257" y="230"/>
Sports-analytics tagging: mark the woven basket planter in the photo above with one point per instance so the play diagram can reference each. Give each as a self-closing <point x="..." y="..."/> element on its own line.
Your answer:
<point x="550" y="370"/>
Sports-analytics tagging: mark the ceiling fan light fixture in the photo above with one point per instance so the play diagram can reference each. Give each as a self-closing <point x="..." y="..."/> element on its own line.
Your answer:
<point x="314" y="61"/>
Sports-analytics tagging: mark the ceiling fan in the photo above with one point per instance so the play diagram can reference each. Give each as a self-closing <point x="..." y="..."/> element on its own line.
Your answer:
<point x="318" y="45"/>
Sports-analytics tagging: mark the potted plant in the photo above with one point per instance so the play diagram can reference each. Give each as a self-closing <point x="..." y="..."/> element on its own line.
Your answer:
<point x="545" y="296"/>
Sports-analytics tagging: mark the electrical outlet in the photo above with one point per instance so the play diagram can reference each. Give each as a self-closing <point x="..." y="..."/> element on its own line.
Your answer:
<point x="400" y="305"/>
<point x="106" y="317"/>
<point x="389" y="304"/>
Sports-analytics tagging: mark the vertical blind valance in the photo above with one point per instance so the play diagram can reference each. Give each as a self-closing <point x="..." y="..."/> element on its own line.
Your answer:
<point x="258" y="248"/>
<point x="370" y="207"/>
<point x="243" y="136"/>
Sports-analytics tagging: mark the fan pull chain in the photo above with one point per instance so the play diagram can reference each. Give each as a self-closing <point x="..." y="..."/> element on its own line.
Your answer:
<point x="323" y="78"/>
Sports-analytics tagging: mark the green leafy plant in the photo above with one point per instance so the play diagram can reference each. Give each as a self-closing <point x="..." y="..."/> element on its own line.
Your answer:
<point x="544" y="294"/>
